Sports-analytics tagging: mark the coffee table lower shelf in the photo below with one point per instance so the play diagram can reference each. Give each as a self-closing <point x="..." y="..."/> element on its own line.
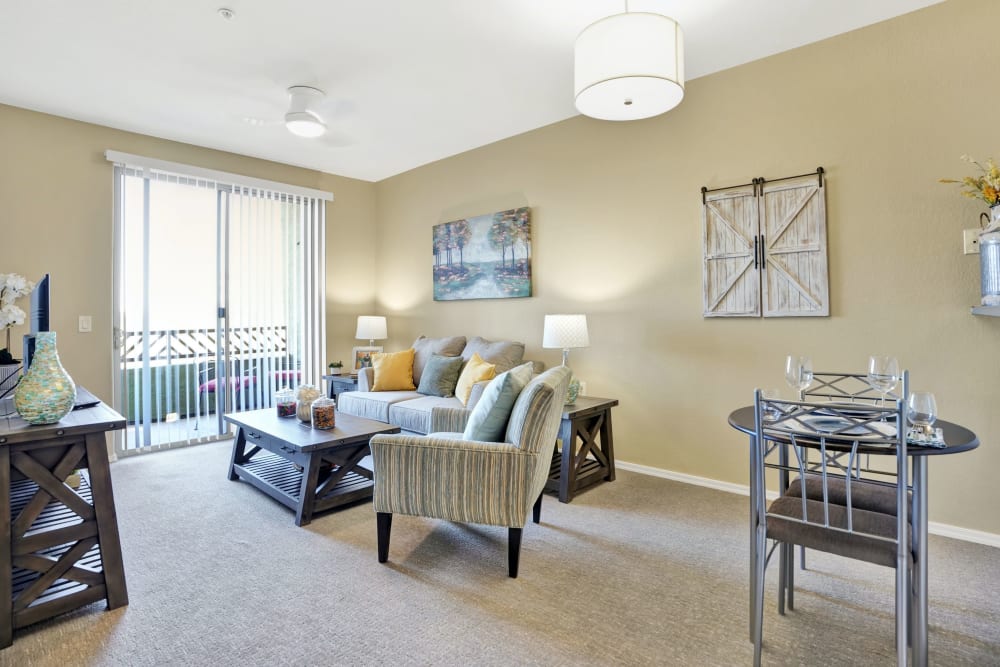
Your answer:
<point x="282" y="480"/>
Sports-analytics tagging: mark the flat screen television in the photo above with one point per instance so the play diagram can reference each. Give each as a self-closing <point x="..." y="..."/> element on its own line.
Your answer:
<point x="38" y="317"/>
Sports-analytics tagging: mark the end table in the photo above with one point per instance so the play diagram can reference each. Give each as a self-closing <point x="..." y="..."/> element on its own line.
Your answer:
<point x="338" y="384"/>
<point x="588" y="453"/>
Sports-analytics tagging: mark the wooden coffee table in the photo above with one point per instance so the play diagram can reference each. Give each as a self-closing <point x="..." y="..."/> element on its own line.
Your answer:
<point x="267" y="449"/>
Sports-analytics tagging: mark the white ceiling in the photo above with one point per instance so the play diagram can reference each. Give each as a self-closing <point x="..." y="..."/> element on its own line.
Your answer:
<point x="408" y="81"/>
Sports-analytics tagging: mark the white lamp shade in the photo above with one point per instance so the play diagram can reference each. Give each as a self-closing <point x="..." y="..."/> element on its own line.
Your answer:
<point x="629" y="66"/>
<point x="371" y="327"/>
<point x="565" y="331"/>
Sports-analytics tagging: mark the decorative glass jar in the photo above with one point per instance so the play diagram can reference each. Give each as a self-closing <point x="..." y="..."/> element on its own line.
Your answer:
<point x="284" y="402"/>
<point x="324" y="413"/>
<point x="304" y="397"/>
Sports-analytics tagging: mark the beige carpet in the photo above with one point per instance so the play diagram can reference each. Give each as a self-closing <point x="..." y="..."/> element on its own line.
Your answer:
<point x="640" y="571"/>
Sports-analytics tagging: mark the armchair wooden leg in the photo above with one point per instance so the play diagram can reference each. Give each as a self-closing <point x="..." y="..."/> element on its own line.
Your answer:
<point x="536" y="511"/>
<point x="384" y="525"/>
<point x="513" y="551"/>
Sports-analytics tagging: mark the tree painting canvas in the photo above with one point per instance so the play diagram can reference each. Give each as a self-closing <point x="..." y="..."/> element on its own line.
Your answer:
<point x="484" y="257"/>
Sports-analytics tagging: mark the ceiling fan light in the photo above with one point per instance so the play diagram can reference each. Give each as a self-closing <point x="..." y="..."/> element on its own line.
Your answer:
<point x="304" y="124"/>
<point x="629" y="66"/>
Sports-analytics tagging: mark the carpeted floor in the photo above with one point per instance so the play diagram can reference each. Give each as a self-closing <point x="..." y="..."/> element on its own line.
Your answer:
<point x="640" y="571"/>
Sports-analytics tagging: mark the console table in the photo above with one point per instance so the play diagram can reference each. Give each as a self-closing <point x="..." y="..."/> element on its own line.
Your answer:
<point x="60" y="546"/>
<point x="588" y="452"/>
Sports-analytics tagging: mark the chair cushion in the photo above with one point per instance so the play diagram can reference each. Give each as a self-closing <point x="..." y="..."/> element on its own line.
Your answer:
<point x="424" y="347"/>
<point x="475" y="370"/>
<point x="502" y="354"/>
<point x="859" y="544"/>
<point x="415" y="414"/>
<point x="372" y="404"/>
<point x="393" y="371"/>
<point x="440" y="376"/>
<point x="865" y="494"/>
<point x="488" y="421"/>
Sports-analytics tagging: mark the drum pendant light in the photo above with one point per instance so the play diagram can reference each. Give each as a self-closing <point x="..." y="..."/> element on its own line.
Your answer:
<point x="629" y="66"/>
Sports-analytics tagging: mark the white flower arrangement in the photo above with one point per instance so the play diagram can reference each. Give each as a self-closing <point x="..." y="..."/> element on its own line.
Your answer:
<point x="12" y="288"/>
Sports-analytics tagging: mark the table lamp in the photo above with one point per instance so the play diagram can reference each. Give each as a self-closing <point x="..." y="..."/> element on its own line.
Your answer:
<point x="566" y="331"/>
<point x="371" y="327"/>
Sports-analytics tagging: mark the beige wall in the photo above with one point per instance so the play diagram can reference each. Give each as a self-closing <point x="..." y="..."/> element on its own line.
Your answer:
<point x="56" y="217"/>
<point x="886" y="110"/>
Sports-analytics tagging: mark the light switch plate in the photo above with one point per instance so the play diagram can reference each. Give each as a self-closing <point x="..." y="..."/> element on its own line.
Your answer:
<point x="970" y="241"/>
<point x="86" y="324"/>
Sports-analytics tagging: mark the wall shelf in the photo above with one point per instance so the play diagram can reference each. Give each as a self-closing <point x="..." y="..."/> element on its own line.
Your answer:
<point x="992" y="311"/>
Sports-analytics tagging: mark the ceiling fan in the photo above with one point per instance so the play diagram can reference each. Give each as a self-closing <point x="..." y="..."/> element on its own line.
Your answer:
<point x="308" y="115"/>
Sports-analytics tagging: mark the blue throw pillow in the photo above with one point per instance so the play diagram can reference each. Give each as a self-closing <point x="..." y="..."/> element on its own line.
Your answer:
<point x="488" y="421"/>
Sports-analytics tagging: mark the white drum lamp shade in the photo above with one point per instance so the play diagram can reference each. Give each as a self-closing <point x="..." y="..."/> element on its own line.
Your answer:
<point x="565" y="331"/>
<point x="629" y="66"/>
<point x="371" y="327"/>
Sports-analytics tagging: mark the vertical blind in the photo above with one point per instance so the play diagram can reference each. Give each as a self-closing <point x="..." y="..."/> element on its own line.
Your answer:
<point x="264" y="244"/>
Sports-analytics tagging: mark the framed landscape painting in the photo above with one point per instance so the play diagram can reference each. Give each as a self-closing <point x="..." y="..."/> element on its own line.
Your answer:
<point x="484" y="257"/>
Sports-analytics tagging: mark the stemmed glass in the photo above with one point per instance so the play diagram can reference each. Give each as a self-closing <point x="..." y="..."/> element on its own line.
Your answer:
<point x="883" y="374"/>
<point x="798" y="372"/>
<point x="921" y="410"/>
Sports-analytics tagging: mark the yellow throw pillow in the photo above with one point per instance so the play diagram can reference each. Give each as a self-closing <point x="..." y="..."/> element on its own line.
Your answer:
<point x="393" y="371"/>
<point x="476" y="370"/>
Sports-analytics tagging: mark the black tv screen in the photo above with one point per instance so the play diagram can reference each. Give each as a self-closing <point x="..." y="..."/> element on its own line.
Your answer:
<point x="38" y="318"/>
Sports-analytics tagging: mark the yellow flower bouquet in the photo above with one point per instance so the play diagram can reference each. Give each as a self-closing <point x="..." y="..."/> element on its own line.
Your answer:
<point x="986" y="186"/>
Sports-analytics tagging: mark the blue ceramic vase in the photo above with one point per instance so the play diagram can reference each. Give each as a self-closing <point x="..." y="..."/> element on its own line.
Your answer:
<point x="46" y="393"/>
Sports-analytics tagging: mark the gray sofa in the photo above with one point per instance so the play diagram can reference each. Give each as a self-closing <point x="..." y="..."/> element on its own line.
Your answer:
<point x="414" y="412"/>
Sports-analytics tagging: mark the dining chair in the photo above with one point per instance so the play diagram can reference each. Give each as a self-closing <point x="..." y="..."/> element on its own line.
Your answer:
<point x="845" y="388"/>
<point x="838" y="501"/>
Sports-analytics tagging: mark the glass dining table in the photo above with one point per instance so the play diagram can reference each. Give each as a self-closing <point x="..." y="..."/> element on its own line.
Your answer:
<point x="957" y="439"/>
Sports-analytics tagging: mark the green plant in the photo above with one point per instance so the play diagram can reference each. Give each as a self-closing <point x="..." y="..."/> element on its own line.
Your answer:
<point x="336" y="364"/>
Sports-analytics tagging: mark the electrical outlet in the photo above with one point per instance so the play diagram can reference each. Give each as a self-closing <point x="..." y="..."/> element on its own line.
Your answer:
<point x="970" y="241"/>
<point x="86" y="324"/>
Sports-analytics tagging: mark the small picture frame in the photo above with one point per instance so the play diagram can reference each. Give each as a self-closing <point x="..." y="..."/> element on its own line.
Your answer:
<point x="363" y="355"/>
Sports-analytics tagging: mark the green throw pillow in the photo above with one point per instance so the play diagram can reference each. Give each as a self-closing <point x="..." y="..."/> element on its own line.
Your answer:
<point x="440" y="376"/>
<point x="489" y="418"/>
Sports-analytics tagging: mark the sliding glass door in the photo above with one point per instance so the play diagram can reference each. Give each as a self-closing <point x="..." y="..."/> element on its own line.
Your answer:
<point x="219" y="301"/>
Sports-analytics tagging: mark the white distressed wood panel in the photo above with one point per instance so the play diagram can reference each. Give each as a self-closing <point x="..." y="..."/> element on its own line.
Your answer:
<point x="795" y="277"/>
<point x="730" y="281"/>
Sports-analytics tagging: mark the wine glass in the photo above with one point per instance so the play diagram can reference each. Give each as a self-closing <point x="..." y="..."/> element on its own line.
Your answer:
<point x="921" y="410"/>
<point x="798" y="372"/>
<point x="883" y="374"/>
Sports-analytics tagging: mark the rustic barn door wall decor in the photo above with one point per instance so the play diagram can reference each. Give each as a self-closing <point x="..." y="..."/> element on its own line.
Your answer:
<point x="765" y="248"/>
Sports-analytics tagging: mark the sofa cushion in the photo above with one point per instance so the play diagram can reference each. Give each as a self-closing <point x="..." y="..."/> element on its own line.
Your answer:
<point x="440" y="376"/>
<point x="415" y="414"/>
<point x="372" y="404"/>
<point x="488" y="420"/>
<point x="476" y="369"/>
<point x="503" y="354"/>
<point x="393" y="371"/>
<point x="424" y="347"/>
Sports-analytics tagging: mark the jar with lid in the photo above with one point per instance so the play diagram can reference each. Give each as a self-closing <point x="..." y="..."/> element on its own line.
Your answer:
<point x="324" y="413"/>
<point x="284" y="401"/>
<point x="304" y="397"/>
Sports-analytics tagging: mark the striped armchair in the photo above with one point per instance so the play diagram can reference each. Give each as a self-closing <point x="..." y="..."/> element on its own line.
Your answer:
<point x="444" y="477"/>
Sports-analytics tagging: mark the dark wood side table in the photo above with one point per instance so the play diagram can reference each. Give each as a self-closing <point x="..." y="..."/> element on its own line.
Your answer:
<point x="338" y="384"/>
<point x="588" y="451"/>
<point x="59" y="547"/>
